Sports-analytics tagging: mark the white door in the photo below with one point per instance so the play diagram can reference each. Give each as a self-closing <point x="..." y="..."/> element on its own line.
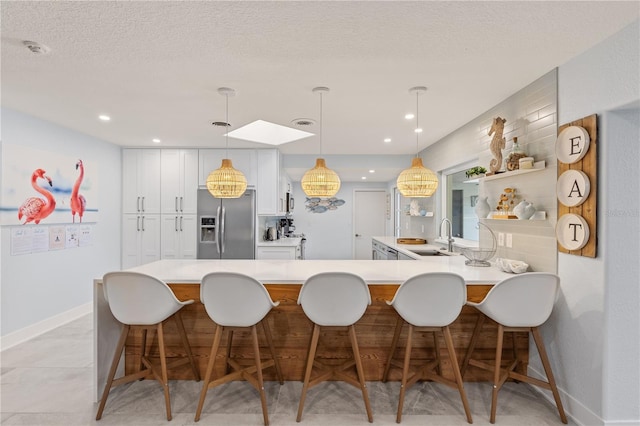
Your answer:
<point x="369" y="219"/>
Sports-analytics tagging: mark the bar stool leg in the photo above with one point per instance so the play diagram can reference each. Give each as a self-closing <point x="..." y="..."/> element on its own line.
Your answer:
<point x="496" y="374"/>
<point x="456" y="372"/>
<point x="185" y="343"/>
<point x="307" y="375"/>
<point x="227" y="366"/>
<point x="163" y="364"/>
<point x="472" y="343"/>
<point x="143" y="349"/>
<point x="263" y="397"/>
<point x="405" y="373"/>
<point x="272" y="349"/>
<point x="112" y="370"/>
<point x="363" y="385"/>
<point x="547" y="369"/>
<point x="394" y="345"/>
<point x="436" y="348"/>
<point x="207" y="376"/>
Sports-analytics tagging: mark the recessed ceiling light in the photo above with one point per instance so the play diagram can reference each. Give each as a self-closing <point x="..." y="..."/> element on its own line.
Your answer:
<point x="364" y="177"/>
<point x="272" y="134"/>
<point x="409" y="116"/>
<point x="372" y="171"/>
<point x="156" y="140"/>
<point x="387" y="140"/>
<point x="418" y="130"/>
<point x="104" y="117"/>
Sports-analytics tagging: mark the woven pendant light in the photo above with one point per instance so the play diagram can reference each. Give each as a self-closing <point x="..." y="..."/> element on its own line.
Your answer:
<point x="417" y="180"/>
<point x="320" y="181"/>
<point x="226" y="182"/>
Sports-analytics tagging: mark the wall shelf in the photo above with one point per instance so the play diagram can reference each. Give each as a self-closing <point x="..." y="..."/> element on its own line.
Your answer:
<point x="538" y="215"/>
<point x="537" y="166"/>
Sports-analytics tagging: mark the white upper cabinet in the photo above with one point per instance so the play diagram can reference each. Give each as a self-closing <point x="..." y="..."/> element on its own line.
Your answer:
<point x="141" y="181"/>
<point x="244" y="160"/>
<point x="179" y="181"/>
<point x="274" y="183"/>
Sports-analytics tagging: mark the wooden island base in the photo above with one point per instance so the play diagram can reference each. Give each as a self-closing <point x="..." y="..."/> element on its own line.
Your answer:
<point x="292" y="333"/>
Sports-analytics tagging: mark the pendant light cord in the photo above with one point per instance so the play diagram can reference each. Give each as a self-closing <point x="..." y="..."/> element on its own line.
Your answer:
<point x="320" y="124"/>
<point x="226" y="154"/>
<point x="417" y="123"/>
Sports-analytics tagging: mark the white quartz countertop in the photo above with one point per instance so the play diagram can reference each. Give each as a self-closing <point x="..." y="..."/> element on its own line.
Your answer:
<point x="282" y="242"/>
<point x="297" y="271"/>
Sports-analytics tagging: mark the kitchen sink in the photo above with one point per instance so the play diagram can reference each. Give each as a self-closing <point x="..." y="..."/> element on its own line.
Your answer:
<point x="433" y="253"/>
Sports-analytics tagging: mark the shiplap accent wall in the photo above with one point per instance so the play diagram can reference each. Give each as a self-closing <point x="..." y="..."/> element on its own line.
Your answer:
<point x="531" y="115"/>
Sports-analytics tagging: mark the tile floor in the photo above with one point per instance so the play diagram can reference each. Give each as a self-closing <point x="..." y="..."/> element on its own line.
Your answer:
<point x="48" y="381"/>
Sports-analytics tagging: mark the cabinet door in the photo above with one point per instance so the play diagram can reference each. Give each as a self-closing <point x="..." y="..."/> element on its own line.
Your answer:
<point x="267" y="194"/>
<point x="170" y="236"/>
<point x="150" y="240"/>
<point x="130" y="240"/>
<point x="188" y="225"/>
<point x="130" y="194"/>
<point x="149" y="180"/>
<point x="141" y="180"/>
<point x="208" y="161"/>
<point x="189" y="165"/>
<point x="170" y="181"/>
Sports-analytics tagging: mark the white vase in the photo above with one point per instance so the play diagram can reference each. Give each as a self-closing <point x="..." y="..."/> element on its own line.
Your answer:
<point x="524" y="210"/>
<point x="482" y="208"/>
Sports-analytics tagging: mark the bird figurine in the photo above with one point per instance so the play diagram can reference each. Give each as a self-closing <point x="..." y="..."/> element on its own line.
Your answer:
<point x="35" y="209"/>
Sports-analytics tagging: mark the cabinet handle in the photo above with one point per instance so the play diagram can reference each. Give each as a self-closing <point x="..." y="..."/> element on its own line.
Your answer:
<point x="143" y="210"/>
<point x="142" y="223"/>
<point x="180" y="223"/>
<point x="176" y="204"/>
<point x="181" y="208"/>
<point x="138" y="204"/>
<point x="138" y="223"/>
<point x="175" y="223"/>
<point x="358" y="235"/>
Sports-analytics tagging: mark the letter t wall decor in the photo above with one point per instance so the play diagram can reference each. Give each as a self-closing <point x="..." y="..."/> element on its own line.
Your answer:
<point x="576" y="149"/>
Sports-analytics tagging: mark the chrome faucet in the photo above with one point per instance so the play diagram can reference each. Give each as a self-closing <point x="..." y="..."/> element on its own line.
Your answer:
<point x="449" y="236"/>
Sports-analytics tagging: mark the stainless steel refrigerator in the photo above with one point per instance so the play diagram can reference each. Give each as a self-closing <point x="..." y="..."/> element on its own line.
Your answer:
<point x="227" y="226"/>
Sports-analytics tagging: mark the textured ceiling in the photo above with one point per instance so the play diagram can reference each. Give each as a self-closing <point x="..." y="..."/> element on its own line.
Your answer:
<point x="155" y="67"/>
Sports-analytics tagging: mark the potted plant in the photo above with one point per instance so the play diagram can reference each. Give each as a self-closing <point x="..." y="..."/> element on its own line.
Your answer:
<point x="474" y="172"/>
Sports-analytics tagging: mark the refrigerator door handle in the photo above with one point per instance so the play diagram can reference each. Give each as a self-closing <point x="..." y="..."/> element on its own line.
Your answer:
<point x="222" y="228"/>
<point x="218" y="231"/>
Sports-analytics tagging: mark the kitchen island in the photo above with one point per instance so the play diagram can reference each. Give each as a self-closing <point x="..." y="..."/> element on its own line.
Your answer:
<point x="290" y="327"/>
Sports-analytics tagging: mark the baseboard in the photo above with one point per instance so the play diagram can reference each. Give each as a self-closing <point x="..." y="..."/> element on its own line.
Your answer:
<point x="573" y="408"/>
<point x="34" y="330"/>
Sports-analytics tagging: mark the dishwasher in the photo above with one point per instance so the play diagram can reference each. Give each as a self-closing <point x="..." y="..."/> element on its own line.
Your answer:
<point x="392" y="254"/>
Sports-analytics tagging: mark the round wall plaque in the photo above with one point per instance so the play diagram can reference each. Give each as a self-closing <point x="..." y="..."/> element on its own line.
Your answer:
<point x="573" y="188"/>
<point x="572" y="144"/>
<point x="572" y="231"/>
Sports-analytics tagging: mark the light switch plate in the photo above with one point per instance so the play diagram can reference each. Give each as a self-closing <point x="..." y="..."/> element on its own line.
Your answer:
<point x="501" y="239"/>
<point x="509" y="240"/>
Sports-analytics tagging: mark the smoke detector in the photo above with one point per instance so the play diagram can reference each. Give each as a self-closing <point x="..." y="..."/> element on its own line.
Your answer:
<point x="36" y="47"/>
<point x="303" y="122"/>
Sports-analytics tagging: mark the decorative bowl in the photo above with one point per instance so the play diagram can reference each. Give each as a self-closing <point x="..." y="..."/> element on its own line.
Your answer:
<point x="480" y="256"/>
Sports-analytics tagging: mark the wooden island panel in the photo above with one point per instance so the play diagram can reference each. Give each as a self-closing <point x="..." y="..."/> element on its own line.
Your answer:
<point x="291" y="331"/>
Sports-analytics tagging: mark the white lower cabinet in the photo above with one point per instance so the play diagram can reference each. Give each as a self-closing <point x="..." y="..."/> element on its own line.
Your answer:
<point x="286" y="252"/>
<point x="140" y="239"/>
<point x="179" y="237"/>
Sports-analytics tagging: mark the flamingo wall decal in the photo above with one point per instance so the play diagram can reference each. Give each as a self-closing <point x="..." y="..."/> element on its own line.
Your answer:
<point x="78" y="202"/>
<point x="35" y="209"/>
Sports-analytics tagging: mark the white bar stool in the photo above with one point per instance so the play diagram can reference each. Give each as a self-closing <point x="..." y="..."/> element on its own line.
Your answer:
<point x="519" y="303"/>
<point x="428" y="302"/>
<point x="143" y="302"/>
<point x="235" y="301"/>
<point x="334" y="299"/>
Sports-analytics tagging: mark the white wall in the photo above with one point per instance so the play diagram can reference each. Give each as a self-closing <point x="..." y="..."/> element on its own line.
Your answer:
<point x="593" y="336"/>
<point x="330" y="234"/>
<point x="39" y="288"/>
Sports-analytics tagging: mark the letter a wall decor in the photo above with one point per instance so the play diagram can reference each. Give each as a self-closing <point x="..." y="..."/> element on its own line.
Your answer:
<point x="576" y="150"/>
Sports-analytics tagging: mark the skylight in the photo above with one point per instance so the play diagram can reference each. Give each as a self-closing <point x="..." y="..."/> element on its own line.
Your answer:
<point x="268" y="133"/>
